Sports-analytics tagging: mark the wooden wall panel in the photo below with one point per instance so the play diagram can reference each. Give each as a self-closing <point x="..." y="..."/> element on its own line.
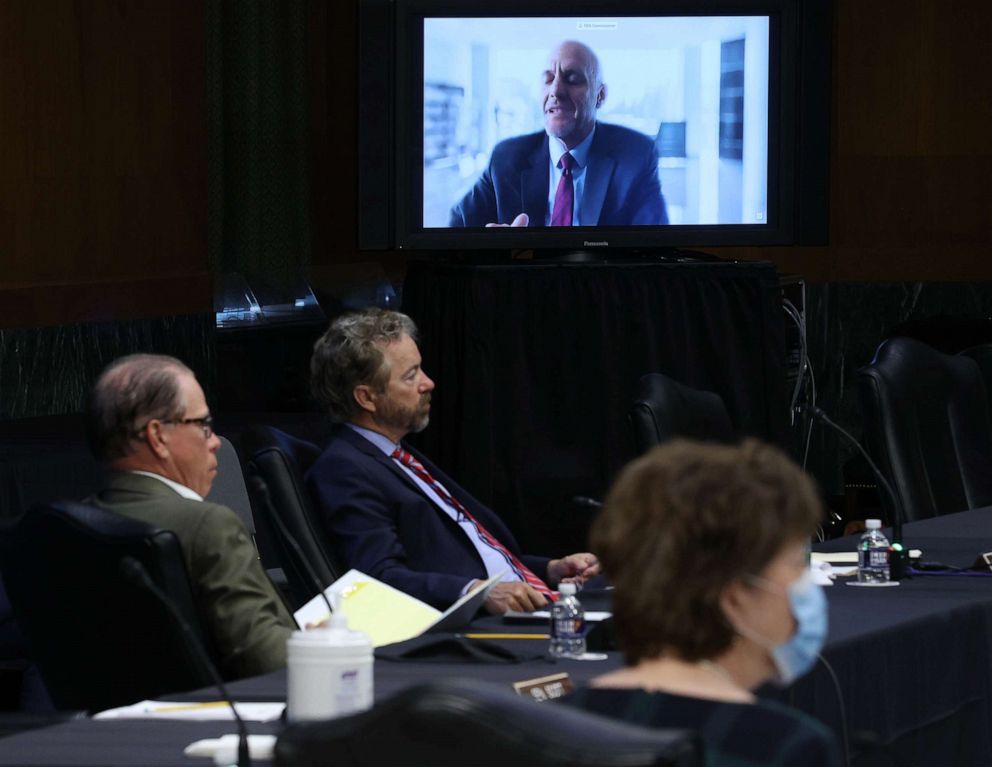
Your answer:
<point x="911" y="154"/>
<point x="103" y="177"/>
<point x="103" y="173"/>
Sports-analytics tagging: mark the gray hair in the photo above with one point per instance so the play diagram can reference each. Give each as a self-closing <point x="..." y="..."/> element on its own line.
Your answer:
<point x="128" y="394"/>
<point x="350" y="354"/>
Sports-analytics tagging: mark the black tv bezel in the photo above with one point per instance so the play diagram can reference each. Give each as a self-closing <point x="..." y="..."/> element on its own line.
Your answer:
<point x="798" y="131"/>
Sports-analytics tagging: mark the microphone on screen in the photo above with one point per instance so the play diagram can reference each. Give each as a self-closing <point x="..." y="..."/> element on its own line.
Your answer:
<point x="897" y="557"/>
<point x="136" y="573"/>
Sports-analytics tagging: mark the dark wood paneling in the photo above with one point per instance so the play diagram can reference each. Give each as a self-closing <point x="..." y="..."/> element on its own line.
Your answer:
<point x="911" y="149"/>
<point x="103" y="183"/>
<point x="333" y="91"/>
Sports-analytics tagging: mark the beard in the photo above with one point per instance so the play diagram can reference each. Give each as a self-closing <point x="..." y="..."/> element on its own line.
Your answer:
<point x="410" y="420"/>
<point x="569" y="120"/>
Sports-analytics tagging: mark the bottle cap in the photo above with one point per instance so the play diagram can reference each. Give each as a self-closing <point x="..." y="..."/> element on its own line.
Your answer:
<point x="566" y="589"/>
<point x="873" y="524"/>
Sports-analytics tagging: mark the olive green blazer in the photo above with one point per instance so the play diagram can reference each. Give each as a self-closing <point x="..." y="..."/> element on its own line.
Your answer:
<point x="240" y="608"/>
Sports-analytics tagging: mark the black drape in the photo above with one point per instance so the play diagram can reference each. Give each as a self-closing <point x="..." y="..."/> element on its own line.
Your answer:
<point x="536" y="366"/>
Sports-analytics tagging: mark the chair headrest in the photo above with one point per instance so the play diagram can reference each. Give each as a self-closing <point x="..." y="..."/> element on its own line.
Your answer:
<point x="911" y="364"/>
<point x="85" y="520"/>
<point x="261" y="438"/>
<point x="439" y="722"/>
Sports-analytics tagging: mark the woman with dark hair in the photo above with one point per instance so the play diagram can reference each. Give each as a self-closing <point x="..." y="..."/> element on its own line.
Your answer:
<point x="706" y="548"/>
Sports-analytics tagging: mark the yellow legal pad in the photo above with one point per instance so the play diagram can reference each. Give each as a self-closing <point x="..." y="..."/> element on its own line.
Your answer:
<point x="386" y="614"/>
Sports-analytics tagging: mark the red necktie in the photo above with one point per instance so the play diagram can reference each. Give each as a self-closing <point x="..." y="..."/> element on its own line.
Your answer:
<point x="565" y="194"/>
<point x="518" y="567"/>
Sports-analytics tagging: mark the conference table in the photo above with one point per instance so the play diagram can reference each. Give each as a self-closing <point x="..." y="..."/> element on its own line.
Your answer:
<point x="913" y="662"/>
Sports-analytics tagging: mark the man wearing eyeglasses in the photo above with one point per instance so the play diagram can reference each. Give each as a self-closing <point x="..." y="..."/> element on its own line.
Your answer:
<point x="148" y="423"/>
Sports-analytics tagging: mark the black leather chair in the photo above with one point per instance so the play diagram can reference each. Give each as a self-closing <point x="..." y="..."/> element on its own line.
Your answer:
<point x="665" y="409"/>
<point x="100" y="640"/>
<point x="982" y="354"/>
<point x="229" y="489"/>
<point x="284" y="512"/>
<point x="927" y="426"/>
<point x="459" y="722"/>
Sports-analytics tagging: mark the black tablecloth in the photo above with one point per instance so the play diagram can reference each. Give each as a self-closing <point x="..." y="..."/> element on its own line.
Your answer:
<point x="393" y="676"/>
<point x="117" y="743"/>
<point x="914" y="660"/>
<point x="914" y="663"/>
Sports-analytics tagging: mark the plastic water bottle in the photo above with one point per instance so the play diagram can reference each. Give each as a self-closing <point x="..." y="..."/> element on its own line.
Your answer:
<point x="568" y="624"/>
<point x="873" y="554"/>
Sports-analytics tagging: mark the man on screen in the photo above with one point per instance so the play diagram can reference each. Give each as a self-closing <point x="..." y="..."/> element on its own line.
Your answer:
<point x="573" y="173"/>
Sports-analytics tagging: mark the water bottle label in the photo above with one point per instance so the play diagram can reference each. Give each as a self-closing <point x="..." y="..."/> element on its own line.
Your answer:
<point x="568" y="628"/>
<point x="878" y="557"/>
<point x="873" y="558"/>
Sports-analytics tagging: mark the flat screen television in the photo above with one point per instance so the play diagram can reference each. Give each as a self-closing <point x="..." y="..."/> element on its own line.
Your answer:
<point x="687" y="124"/>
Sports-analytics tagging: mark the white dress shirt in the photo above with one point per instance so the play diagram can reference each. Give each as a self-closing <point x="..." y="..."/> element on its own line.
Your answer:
<point x="184" y="491"/>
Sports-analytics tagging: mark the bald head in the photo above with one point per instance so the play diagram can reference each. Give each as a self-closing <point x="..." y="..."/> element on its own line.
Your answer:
<point x="573" y="91"/>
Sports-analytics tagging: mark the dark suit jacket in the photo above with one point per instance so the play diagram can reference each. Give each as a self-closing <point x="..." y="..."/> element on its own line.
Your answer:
<point x="380" y="522"/>
<point x="621" y="182"/>
<point x="245" y="617"/>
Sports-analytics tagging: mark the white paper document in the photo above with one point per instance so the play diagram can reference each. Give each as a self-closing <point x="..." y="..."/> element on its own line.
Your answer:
<point x="592" y="616"/>
<point x="388" y="615"/>
<point x="260" y="747"/>
<point x="844" y="564"/>
<point x="214" y="710"/>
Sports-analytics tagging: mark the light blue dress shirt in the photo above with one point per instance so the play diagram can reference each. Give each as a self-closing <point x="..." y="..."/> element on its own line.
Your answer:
<point x="581" y="156"/>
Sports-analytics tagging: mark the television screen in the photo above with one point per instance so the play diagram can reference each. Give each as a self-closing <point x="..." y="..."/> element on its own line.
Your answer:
<point x="504" y="97"/>
<point x="603" y="123"/>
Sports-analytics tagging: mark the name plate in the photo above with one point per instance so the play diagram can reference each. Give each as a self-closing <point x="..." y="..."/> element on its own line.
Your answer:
<point x="545" y="687"/>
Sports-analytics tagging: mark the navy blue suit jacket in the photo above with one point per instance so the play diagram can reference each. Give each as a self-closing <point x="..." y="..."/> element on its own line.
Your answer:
<point x="621" y="182"/>
<point x="380" y="522"/>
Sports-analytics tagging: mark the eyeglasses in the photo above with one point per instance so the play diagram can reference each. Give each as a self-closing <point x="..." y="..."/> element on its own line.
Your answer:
<point x="206" y="423"/>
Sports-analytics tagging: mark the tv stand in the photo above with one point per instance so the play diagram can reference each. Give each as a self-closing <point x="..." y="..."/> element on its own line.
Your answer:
<point x="571" y="257"/>
<point x="614" y="256"/>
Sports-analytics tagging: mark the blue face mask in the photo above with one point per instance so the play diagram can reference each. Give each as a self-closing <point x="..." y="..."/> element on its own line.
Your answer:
<point x="795" y="656"/>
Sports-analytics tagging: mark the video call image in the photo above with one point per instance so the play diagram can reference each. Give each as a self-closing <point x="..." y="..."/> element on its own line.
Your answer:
<point x="667" y="119"/>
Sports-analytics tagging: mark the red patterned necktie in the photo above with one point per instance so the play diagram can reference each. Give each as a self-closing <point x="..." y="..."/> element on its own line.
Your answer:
<point x="565" y="194"/>
<point x="518" y="567"/>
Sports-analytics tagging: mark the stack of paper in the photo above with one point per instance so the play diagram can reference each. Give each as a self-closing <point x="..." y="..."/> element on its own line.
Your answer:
<point x="386" y="614"/>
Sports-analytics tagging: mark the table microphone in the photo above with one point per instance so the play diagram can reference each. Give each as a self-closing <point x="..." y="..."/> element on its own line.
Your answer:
<point x="897" y="556"/>
<point x="587" y="502"/>
<point x="136" y="573"/>
<point x="262" y="490"/>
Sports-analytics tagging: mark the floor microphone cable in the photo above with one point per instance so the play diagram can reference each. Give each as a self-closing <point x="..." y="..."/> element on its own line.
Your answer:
<point x="843" y="709"/>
